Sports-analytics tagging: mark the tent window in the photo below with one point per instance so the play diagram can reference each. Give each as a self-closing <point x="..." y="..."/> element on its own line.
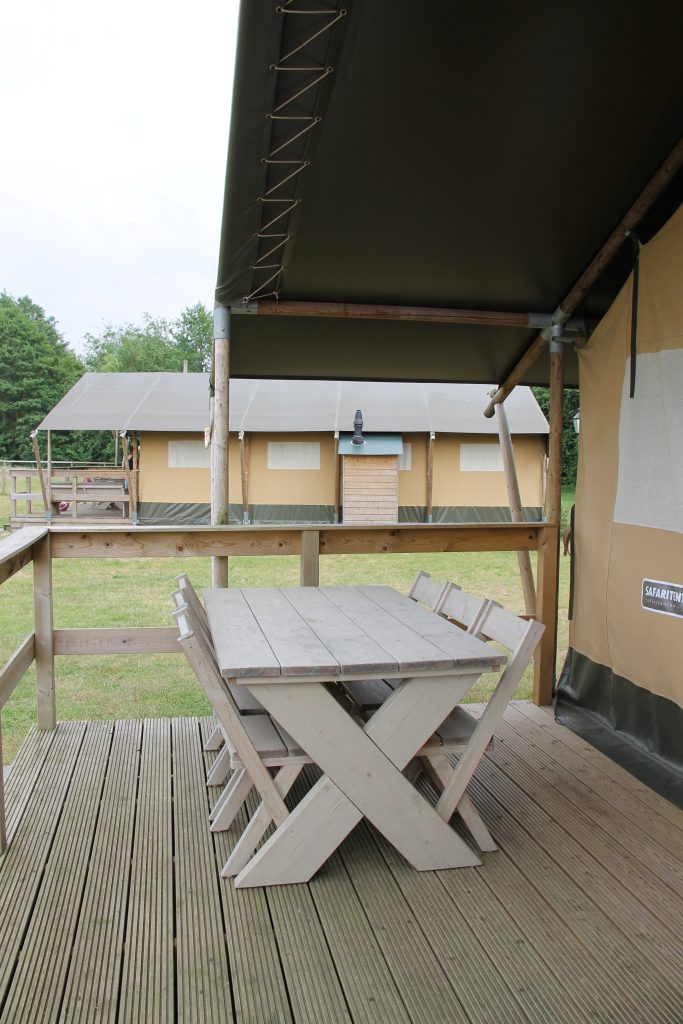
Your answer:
<point x="405" y="460"/>
<point x="293" y="455"/>
<point x="188" y="455"/>
<point x="481" y="458"/>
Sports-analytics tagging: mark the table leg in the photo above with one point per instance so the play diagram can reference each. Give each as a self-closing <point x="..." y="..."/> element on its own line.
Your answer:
<point x="363" y="769"/>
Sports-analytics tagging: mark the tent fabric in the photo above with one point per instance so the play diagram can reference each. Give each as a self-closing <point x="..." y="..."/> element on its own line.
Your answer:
<point x="628" y="595"/>
<point x="457" y="155"/>
<point x="179" y="402"/>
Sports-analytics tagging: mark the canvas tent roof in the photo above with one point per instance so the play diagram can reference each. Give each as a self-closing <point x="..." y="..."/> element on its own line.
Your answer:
<point x="455" y="155"/>
<point x="179" y="402"/>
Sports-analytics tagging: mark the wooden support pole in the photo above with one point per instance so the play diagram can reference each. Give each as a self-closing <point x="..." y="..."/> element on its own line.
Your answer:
<point x="220" y="436"/>
<point x="244" y="471"/>
<point x="134" y="478"/>
<point x="49" y="470"/>
<point x="515" y="500"/>
<point x="549" y="545"/>
<point x="310" y="558"/>
<point x="39" y="467"/>
<point x="337" y="478"/>
<point x="116" y="447"/>
<point x="430" y="477"/>
<point x="44" y="641"/>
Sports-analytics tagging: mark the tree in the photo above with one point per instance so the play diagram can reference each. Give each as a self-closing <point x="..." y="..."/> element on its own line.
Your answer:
<point x="157" y="345"/>
<point x="38" y="368"/>
<point x="570" y="439"/>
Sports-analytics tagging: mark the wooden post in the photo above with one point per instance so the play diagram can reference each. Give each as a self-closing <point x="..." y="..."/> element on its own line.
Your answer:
<point x="220" y="436"/>
<point x="337" y="478"/>
<point x="514" y="498"/>
<point x="549" y="544"/>
<point x="39" y="467"/>
<point x="49" y="470"/>
<point x="310" y="558"/>
<point x="430" y="477"/>
<point x="44" y="642"/>
<point x="244" y="470"/>
<point x="116" y="448"/>
<point x="134" y="478"/>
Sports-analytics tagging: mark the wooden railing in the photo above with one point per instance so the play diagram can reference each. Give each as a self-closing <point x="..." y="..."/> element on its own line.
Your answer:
<point x="99" y="486"/>
<point x="40" y="545"/>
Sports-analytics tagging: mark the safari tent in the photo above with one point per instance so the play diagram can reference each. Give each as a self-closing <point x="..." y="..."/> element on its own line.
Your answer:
<point x="476" y="212"/>
<point x="428" y="456"/>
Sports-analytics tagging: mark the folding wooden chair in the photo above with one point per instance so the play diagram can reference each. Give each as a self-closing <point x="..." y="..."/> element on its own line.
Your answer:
<point x="243" y="698"/>
<point x="254" y="742"/>
<point x="520" y="637"/>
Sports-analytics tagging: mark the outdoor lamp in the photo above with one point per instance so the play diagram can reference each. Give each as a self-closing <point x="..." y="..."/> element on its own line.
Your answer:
<point x="358" y="438"/>
<point x="576" y="420"/>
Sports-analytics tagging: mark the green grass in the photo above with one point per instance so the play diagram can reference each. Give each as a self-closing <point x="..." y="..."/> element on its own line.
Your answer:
<point x="115" y="592"/>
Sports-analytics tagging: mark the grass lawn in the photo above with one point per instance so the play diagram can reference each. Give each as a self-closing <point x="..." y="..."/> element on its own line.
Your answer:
<point x="126" y="592"/>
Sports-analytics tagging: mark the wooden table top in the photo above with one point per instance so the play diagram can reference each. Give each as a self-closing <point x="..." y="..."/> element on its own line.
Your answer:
<point x="335" y="633"/>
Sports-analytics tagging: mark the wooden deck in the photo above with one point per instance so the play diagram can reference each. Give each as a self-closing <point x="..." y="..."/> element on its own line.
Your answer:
<point x="112" y="908"/>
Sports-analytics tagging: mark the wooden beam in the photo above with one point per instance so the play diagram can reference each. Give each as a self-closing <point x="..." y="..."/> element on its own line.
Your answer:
<point x="14" y="670"/>
<point x="49" y="470"/>
<point x="125" y="640"/>
<point x="310" y="558"/>
<point x="44" y="647"/>
<point x="430" y="477"/>
<point x="134" y="477"/>
<point x="220" y="437"/>
<point x="418" y="314"/>
<point x="515" y="500"/>
<point x="549" y="546"/>
<point x="16" y="549"/>
<point x="629" y="222"/>
<point x="206" y="541"/>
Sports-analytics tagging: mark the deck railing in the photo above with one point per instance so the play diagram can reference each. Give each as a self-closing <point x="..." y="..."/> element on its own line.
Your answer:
<point x="108" y="488"/>
<point x="40" y="545"/>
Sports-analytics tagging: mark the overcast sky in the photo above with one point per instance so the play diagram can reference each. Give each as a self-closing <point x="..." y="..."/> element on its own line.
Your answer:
<point x="114" y="122"/>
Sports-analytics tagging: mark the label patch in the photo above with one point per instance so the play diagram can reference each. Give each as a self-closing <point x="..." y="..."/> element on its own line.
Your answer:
<point x="662" y="597"/>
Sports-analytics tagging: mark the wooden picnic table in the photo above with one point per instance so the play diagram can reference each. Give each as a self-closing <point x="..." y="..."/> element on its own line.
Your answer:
<point x="285" y="645"/>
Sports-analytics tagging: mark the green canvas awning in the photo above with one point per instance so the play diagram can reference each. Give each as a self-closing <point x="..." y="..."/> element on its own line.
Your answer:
<point x="439" y="155"/>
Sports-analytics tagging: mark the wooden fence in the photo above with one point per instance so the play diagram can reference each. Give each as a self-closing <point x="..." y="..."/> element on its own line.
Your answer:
<point x="40" y="545"/>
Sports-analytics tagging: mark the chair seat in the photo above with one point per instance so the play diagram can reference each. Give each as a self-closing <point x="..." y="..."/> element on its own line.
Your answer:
<point x="273" y="744"/>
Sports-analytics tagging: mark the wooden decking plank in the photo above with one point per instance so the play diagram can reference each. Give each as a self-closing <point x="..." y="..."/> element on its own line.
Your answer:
<point x="314" y="990"/>
<point x="584" y="785"/>
<point x="258" y="985"/>
<point x="25" y="772"/>
<point x="147" y="992"/>
<point x="91" y="994"/>
<point x="369" y="988"/>
<point x="485" y="996"/>
<point x="637" y="790"/>
<point x="572" y="972"/>
<point x="202" y="974"/>
<point x="38" y="985"/>
<point x="613" y="842"/>
<point x="418" y="976"/>
<point x="23" y="864"/>
<point x="581" y="893"/>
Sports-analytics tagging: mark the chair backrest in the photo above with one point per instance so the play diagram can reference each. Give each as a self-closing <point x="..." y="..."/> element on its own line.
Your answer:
<point x="465" y="608"/>
<point x="199" y="653"/>
<point x="426" y="590"/>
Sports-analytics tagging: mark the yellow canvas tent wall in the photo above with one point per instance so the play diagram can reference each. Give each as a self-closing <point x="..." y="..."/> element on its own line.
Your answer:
<point x="625" y="668"/>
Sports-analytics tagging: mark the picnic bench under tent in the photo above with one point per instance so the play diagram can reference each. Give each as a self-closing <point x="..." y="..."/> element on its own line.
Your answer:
<point x="459" y="193"/>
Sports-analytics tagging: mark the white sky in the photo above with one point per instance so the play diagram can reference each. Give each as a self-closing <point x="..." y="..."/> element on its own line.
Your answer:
<point x="115" y="125"/>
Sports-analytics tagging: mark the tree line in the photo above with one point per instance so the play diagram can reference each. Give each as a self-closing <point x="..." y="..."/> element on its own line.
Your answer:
<point x="38" y="368"/>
